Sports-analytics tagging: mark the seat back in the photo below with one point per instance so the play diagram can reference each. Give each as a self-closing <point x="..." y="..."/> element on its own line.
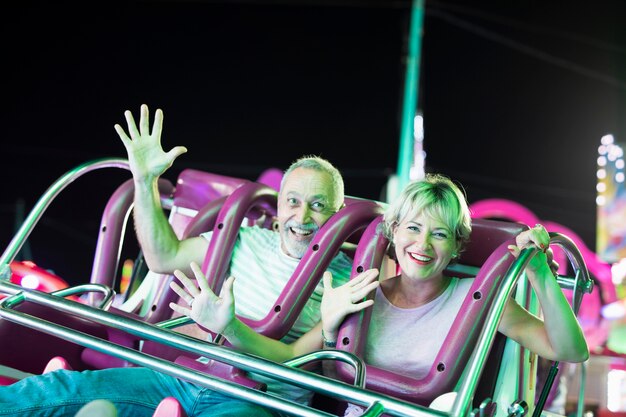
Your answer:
<point x="193" y="207"/>
<point x="111" y="233"/>
<point x="486" y="250"/>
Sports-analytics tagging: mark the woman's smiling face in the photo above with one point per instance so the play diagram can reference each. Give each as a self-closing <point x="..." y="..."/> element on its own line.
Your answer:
<point x="424" y="246"/>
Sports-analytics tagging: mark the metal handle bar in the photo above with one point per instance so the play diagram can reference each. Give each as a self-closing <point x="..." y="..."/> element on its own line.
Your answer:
<point x="375" y="402"/>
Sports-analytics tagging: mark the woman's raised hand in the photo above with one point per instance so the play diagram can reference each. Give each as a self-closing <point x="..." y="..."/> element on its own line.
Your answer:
<point x="537" y="237"/>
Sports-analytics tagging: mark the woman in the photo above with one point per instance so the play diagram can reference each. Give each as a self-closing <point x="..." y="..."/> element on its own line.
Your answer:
<point x="427" y="225"/>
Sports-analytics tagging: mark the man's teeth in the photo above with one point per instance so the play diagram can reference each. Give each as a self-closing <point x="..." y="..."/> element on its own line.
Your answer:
<point x="301" y="231"/>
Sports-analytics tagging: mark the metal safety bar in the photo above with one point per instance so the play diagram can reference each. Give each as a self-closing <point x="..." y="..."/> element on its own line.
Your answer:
<point x="44" y="201"/>
<point x="581" y="281"/>
<point x="337" y="355"/>
<point x="581" y="284"/>
<point x="105" y="303"/>
<point x="375" y="403"/>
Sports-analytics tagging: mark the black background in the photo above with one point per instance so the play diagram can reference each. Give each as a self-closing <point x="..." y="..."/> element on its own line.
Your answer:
<point x="515" y="95"/>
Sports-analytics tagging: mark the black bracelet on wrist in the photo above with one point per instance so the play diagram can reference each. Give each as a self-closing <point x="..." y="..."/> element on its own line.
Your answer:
<point x="328" y="343"/>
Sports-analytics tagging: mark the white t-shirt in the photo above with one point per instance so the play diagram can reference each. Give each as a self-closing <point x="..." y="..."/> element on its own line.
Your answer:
<point x="407" y="340"/>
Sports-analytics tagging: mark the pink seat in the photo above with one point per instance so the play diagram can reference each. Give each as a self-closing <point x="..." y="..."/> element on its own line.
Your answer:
<point x="487" y="250"/>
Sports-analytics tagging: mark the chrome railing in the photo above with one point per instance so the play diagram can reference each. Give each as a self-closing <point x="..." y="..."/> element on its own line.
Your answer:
<point x="44" y="201"/>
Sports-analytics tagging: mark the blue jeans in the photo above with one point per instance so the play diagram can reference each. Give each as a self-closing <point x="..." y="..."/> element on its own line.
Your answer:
<point x="134" y="391"/>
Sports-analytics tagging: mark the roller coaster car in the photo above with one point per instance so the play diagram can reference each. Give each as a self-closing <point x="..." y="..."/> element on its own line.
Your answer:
<point x="195" y="201"/>
<point x="198" y="201"/>
<point x="469" y="362"/>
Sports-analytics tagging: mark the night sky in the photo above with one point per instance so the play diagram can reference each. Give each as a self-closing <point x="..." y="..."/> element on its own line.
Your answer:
<point x="515" y="97"/>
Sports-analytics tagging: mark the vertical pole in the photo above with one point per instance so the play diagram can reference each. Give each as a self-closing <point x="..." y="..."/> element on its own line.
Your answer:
<point x="411" y="86"/>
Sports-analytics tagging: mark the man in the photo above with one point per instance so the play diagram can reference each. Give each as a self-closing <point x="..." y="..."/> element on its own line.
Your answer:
<point x="263" y="261"/>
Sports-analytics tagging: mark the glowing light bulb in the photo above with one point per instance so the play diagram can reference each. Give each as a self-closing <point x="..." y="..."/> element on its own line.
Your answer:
<point x="607" y="139"/>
